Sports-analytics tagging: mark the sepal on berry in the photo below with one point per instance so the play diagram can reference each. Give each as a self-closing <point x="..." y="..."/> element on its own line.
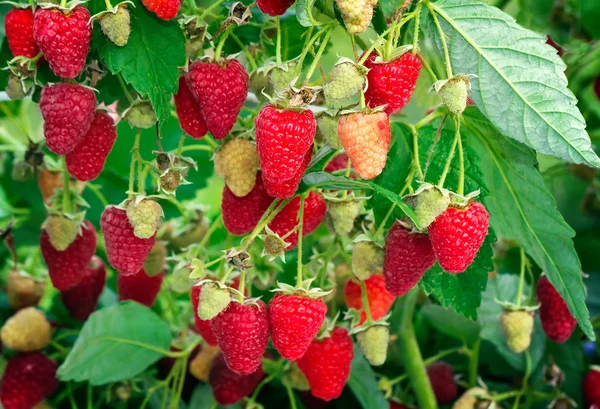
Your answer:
<point x="454" y="92"/>
<point x="304" y="290"/>
<point x="274" y="246"/>
<point x="429" y="201"/>
<point x="140" y="114"/>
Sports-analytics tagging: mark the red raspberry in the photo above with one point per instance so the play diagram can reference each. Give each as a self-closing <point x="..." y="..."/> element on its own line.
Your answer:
<point x="18" y="25"/>
<point x="28" y="379"/>
<point x="203" y="327"/>
<point x="287" y="219"/>
<point x="394" y="405"/>
<point x="457" y="235"/>
<point x="221" y="90"/>
<point x="557" y="321"/>
<point x="241" y="214"/>
<point x="340" y="162"/>
<point x="591" y="388"/>
<point x="285" y="189"/>
<point x="125" y="251"/>
<point x="68" y="111"/>
<point x="64" y="38"/>
<point x="82" y="299"/>
<point x="380" y="300"/>
<point x="243" y="334"/>
<point x="295" y="321"/>
<point x="188" y="111"/>
<point x="282" y="138"/>
<point x="230" y="387"/>
<point x="326" y="364"/>
<point x="274" y="7"/>
<point x="139" y="287"/>
<point x="65" y="267"/>
<point x="407" y="257"/>
<point x="87" y="159"/>
<point x="391" y="83"/>
<point x="441" y="376"/>
<point x="164" y="9"/>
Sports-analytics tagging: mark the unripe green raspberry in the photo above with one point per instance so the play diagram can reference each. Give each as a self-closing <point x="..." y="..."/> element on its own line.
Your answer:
<point x="327" y="127"/>
<point x="213" y="300"/>
<point x="237" y="163"/>
<point x="373" y="343"/>
<point x="343" y="215"/>
<point x="155" y="262"/>
<point x="367" y="259"/>
<point x="144" y="216"/>
<point x="14" y="88"/>
<point x="281" y="77"/>
<point x="468" y="400"/>
<point x="61" y="230"/>
<point x="180" y="279"/>
<point x="428" y="204"/>
<point x="518" y="328"/>
<point x="116" y="26"/>
<point x="274" y="246"/>
<point x="346" y="81"/>
<point x="140" y="115"/>
<point x="357" y="14"/>
<point x="454" y="93"/>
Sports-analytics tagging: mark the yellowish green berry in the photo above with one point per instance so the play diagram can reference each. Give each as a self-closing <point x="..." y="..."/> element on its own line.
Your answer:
<point x="373" y="343"/>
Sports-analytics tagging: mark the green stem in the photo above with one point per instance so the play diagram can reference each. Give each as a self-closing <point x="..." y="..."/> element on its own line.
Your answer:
<point x="363" y="103"/>
<point x="197" y="148"/>
<point x="224" y="36"/>
<point x="90" y="396"/>
<point x="373" y="45"/>
<point x="300" y="231"/>
<point x="278" y="48"/>
<point x="428" y="362"/>
<point x="108" y="4"/>
<point x="449" y="159"/>
<point x="211" y="8"/>
<point x="521" y="277"/>
<point x="180" y="144"/>
<point x="474" y="363"/>
<point x="315" y="62"/>
<point x="66" y="198"/>
<point x="413" y="361"/>
<point x="393" y="206"/>
<point x="96" y="190"/>
<point x="291" y="397"/>
<point x="242" y="287"/>
<point x="226" y="275"/>
<point x="136" y="146"/>
<point x="365" y="300"/>
<point x="431" y="8"/>
<point x="432" y="115"/>
<point x="125" y="90"/>
<point x="247" y="53"/>
<point x="71" y="397"/>
<point x="354" y="49"/>
<point x="427" y="68"/>
<point x="261" y="385"/>
<point x="416" y="159"/>
<point x="269" y="215"/>
<point x="213" y="227"/>
<point x="461" y="163"/>
<point x="417" y="13"/>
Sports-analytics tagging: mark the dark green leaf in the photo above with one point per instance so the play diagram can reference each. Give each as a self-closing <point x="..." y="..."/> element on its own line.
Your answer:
<point x="321" y="159"/>
<point x="450" y="323"/>
<point x="363" y="383"/>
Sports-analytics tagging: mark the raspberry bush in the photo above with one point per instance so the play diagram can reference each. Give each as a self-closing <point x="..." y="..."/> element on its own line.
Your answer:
<point x="309" y="204"/>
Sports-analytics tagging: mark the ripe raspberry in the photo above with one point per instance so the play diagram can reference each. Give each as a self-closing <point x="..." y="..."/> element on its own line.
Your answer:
<point x="518" y="328"/>
<point x="282" y="138"/>
<point x="82" y="299"/>
<point x="347" y="79"/>
<point x="65" y="267"/>
<point x="441" y="376"/>
<point x="243" y="334"/>
<point x="343" y="215"/>
<point x="18" y="26"/>
<point x="139" y="287"/>
<point x="188" y="111"/>
<point x="241" y="214"/>
<point x="295" y="321"/>
<point x="237" y="163"/>
<point x="164" y="9"/>
<point x="357" y="14"/>
<point x="366" y="139"/>
<point x="221" y="89"/>
<point x="287" y="219"/>
<point x="457" y="235"/>
<point x="144" y="215"/>
<point x="287" y="188"/>
<point x="557" y="321"/>
<point x="373" y="343"/>
<point x="23" y="291"/>
<point x="228" y="386"/>
<point x="125" y="251"/>
<point x="28" y="330"/>
<point x="469" y="399"/>
<point x="326" y="364"/>
<point x="367" y="259"/>
<point x="407" y="257"/>
<point x="591" y="388"/>
<point x="28" y="379"/>
<point x="203" y="327"/>
<point x="213" y="300"/>
<point x="201" y="363"/>
<point x="380" y="301"/>
<point x="62" y="230"/>
<point x="87" y="159"/>
<point x="391" y="83"/>
<point x="68" y="111"/>
<point x="64" y="38"/>
<point x="116" y="26"/>
<point x="274" y="7"/>
<point x="340" y="162"/>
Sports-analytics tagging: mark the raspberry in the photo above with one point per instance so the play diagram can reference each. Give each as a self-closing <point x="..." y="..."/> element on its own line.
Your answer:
<point x="125" y="251"/>
<point x="64" y="38"/>
<point x="155" y="261"/>
<point x="116" y="26"/>
<point x="201" y="363"/>
<point x="188" y="111"/>
<point x="326" y="364"/>
<point x="23" y="291"/>
<point x="140" y="114"/>
<point x="295" y="321"/>
<point x="287" y="219"/>
<point x="82" y="299"/>
<point x="469" y="399"/>
<point x="164" y="9"/>
<point x="357" y="14"/>
<point x="203" y="327"/>
<point x="380" y="301"/>
<point x="62" y="231"/>
<point x="28" y="330"/>
<point x="243" y="334"/>
<point x="457" y="235"/>
<point x="213" y="300"/>
<point x="454" y="93"/>
<point x="274" y="7"/>
<point x="68" y="111"/>
<point x="144" y="215"/>
<point x="237" y="163"/>
<point x="241" y="214"/>
<point x="139" y="287"/>
<point x="327" y="127"/>
<point x="391" y="83"/>
<point x="346" y="80"/>
<point x="65" y="267"/>
<point x="518" y="328"/>
<point x="429" y="202"/>
<point x="285" y="189"/>
<point x="282" y="75"/>
<point x="557" y="321"/>
<point x="441" y="376"/>
<point x="48" y="181"/>
<point x="366" y="139"/>
<point x="228" y="386"/>
<point x="367" y="259"/>
<point x="340" y="162"/>
<point x="343" y="215"/>
<point x="591" y="387"/>
<point x="18" y="26"/>
<point x="373" y="343"/>
<point x="408" y="256"/>
<point x="28" y="379"/>
<point x="87" y="159"/>
<point x="221" y="89"/>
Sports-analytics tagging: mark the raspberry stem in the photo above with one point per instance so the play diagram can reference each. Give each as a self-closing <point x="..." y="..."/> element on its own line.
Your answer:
<point x="300" y="227"/>
<point x="442" y="39"/>
<point x="66" y="199"/>
<point x="417" y="14"/>
<point x="247" y="53"/>
<point x="313" y="66"/>
<point x="291" y="396"/>
<point x="209" y="9"/>
<point x="108" y="4"/>
<point x="461" y="164"/>
<point x="372" y="47"/>
<point x="278" y="48"/>
<point x="224" y="36"/>
<point x="268" y="216"/>
<point x="365" y="300"/>
<point x="242" y="286"/>
<point x="136" y="145"/>
<point x="450" y="155"/>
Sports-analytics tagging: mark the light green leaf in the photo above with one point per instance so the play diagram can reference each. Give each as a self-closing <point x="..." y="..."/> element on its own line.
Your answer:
<point x="521" y="86"/>
<point x="363" y="383"/>
<point x="450" y="323"/>
<point x="522" y="209"/>
<point x="116" y="343"/>
<point x="303" y="9"/>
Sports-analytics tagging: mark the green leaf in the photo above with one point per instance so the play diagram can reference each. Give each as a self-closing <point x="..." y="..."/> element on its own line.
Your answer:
<point x="521" y="86"/>
<point x="308" y="16"/>
<point x="151" y="59"/>
<point x="522" y="209"/>
<point x="363" y="383"/>
<point x="116" y="343"/>
<point x="322" y="158"/>
<point x="325" y="180"/>
<point x="451" y="324"/>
